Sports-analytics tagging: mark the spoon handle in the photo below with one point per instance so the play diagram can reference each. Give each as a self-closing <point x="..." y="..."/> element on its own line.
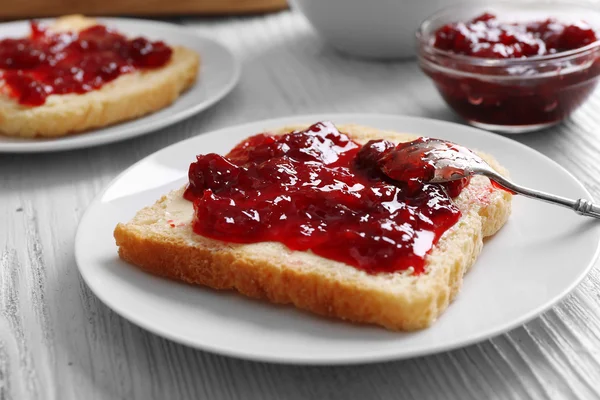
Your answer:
<point x="580" y="206"/>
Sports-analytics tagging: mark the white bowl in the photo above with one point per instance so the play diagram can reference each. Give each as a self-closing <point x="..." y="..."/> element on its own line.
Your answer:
<point x="383" y="29"/>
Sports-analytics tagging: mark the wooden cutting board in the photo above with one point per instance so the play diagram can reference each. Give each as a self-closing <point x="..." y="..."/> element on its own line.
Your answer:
<point x="11" y="9"/>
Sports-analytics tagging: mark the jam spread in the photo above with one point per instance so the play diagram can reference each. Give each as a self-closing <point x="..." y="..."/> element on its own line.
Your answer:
<point x="487" y="37"/>
<point x="532" y="93"/>
<point x="318" y="190"/>
<point x="46" y="63"/>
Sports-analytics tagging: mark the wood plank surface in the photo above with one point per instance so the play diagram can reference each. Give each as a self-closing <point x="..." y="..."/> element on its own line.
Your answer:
<point x="14" y="9"/>
<point x="58" y="341"/>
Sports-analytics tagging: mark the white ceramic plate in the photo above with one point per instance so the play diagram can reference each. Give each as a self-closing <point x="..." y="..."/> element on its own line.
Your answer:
<point x="534" y="261"/>
<point x="219" y="72"/>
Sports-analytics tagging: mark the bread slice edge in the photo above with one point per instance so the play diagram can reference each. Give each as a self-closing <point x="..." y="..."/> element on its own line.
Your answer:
<point x="128" y="97"/>
<point x="273" y="272"/>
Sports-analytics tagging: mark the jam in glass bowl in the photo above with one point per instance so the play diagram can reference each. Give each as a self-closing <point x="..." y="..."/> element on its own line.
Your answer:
<point x="512" y="67"/>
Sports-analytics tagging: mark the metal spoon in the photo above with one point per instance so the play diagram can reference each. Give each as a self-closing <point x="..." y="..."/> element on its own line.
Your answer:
<point x="452" y="162"/>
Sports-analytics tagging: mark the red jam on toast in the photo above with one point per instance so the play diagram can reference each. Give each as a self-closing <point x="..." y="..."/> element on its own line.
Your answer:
<point x="319" y="190"/>
<point x="47" y="63"/>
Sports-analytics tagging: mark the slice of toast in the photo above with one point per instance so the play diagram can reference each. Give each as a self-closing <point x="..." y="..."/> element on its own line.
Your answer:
<point x="129" y="96"/>
<point x="160" y="240"/>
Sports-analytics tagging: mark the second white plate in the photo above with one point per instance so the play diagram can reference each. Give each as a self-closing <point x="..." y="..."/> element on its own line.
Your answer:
<point x="219" y="72"/>
<point x="535" y="260"/>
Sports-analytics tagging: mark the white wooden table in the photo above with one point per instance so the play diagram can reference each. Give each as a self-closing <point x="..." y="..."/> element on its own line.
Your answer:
<point x="57" y="341"/>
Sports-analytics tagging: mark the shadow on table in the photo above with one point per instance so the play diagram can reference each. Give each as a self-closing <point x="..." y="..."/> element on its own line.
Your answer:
<point x="296" y="73"/>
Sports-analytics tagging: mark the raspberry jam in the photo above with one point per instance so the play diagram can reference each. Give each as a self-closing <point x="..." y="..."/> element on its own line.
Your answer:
<point x="411" y="163"/>
<point x="318" y="190"/>
<point x="512" y="89"/>
<point x="487" y="37"/>
<point x="46" y="63"/>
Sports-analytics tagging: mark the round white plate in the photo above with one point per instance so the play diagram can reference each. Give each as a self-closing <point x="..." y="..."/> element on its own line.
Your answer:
<point x="219" y="72"/>
<point x="534" y="261"/>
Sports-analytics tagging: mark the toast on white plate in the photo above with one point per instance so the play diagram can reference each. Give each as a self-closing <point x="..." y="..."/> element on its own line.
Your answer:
<point x="129" y="96"/>
<point x="160" y="239"/>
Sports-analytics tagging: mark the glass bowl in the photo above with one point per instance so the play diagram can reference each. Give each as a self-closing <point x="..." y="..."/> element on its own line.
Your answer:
<point x="513" y="95"/>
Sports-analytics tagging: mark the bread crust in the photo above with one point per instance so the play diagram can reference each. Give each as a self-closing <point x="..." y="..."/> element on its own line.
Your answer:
<point x="128" y="97"/>
<point x="272" y="272"/>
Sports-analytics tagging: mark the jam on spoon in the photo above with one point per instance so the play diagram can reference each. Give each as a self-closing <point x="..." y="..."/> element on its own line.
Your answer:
<point x="446" y="162"/>
<point x="319" y="190"/>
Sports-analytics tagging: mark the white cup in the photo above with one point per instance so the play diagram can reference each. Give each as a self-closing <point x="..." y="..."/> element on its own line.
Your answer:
<point x="381" y="29"/>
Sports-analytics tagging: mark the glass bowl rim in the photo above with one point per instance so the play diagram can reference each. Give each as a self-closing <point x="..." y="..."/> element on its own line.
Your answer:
<point x="427" y="47"/>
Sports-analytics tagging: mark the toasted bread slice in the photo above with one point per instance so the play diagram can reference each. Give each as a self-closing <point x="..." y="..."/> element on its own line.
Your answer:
<point x="127" y="97"/>
<point x="160" y="240"/>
